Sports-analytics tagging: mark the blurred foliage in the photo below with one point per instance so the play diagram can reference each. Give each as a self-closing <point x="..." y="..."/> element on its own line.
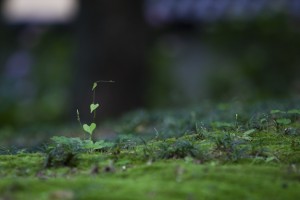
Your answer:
<point x="161" y="82"/>
<point x="260" y="61"/>
<point x="265" y="53"/>
<point x="48" y="95"/>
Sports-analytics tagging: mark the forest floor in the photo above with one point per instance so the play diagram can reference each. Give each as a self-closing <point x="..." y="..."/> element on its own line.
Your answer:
<point x="227" y="151"/>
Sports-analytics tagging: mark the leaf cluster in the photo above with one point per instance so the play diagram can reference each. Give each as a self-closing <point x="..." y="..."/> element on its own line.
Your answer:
<point x="64" y="150"/>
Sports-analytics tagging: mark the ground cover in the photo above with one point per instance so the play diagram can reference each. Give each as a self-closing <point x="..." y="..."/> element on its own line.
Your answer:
<point x="225" y="151"/>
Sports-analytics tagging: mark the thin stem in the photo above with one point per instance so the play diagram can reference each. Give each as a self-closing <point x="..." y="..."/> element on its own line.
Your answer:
<point x="94" y="94"/>
<point x="79" y="121"/>
<point x="101" y="81"/>
<point x="78" y="118"/>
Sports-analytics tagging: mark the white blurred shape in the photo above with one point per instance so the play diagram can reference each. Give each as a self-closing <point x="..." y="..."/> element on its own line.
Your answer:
<point x="39" y="11"/>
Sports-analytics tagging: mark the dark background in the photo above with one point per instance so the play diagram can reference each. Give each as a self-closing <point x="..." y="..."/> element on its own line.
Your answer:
<point x="161" y="54"/>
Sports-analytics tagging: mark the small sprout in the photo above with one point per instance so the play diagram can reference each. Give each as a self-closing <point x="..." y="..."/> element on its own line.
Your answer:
<point x="95" y="83"/>
<point x="94" y="86"/>
<point x="93" y="106"/>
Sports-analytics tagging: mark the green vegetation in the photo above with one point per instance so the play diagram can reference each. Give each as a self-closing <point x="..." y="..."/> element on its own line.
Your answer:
<point x="214" y="152"/>
<point x="93" y="106"/>
<point x="65" y="150"/>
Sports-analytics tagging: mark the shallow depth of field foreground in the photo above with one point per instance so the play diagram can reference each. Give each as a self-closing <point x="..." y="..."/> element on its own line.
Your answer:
<point x="227" y="151"/>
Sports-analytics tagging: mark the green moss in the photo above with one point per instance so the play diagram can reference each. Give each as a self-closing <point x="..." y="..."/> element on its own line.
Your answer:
<point x="20" y="165"/>
<point x="173" y="179"/>
<point x="202" y="162"/>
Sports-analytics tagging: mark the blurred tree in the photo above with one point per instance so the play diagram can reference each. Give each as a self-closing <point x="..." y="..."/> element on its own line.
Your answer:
<point x="112" y="42"/>
<point x="265" y="53"/>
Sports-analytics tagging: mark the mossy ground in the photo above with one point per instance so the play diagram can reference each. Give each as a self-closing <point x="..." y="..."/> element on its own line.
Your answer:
<point x="189" y="155"/>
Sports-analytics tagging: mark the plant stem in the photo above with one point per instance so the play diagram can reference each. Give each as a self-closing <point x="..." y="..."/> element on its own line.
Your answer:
<point x="79" y="121"/>
<point x="94" y="94"/>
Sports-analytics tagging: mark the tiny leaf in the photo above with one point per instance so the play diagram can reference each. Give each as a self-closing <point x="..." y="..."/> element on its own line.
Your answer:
<point x="263" y="120"/>
<point x="94" y="86"/>
<point x="89" y="128"/>
<point x="93" y="107"/>
<point x="277" y="112"/>
<point x="294" y="111"/>
<point x="247" y="133"/>
<point x="283" y="121"/>
<point x="272" y="158"/>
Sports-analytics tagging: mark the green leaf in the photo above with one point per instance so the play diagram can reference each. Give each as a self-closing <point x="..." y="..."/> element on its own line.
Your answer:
<point x="88" y="144"/>
<point x="263" y="120"/>
<point x="94" y="86"/>
<point x="89" y="128"/>
<point x="283" y="121"/>
<point x="93" y="107"/>
<point x="222" y="124"/>
<point x="246" y="135"/>
<point x="277" y="112"/>
<point x="294" y="111"/>
<point x="102" y="144"/>
<point x="272" y="158"/>
<point x="66" y="141"/>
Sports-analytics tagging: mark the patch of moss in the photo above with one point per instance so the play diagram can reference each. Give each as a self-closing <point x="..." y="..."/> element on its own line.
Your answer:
<point x="173" y="179"/>
<point x="182" y="159"/>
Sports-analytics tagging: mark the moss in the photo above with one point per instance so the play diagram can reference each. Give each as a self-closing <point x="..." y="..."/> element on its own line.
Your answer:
<point x="20" y="165"/>
<point x="174" y="179"/>
<point x="200" y="163"/>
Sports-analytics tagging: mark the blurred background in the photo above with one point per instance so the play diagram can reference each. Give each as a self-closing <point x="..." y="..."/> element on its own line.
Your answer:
<point x="160" y="53"/>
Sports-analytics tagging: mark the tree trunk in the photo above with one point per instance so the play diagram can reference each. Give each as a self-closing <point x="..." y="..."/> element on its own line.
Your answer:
<point x="112" y="37"/>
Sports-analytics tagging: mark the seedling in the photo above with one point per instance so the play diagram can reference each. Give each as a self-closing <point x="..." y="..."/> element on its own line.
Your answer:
<point x="93" y="108"/>
<point x="281" y="118"/>
<point x="65" y="150"/>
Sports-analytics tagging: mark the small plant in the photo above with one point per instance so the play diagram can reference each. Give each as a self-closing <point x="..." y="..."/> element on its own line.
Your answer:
<point x="93" y="107"/>
<point x="179" y="149"/>
<point x="294" y="114"/>
<point x="247" y="134"/>
<point x="281" y="118"/>
<point x="64" y="150"/>
<point x="201" y="132"/>
<point x="232" y="146"/>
